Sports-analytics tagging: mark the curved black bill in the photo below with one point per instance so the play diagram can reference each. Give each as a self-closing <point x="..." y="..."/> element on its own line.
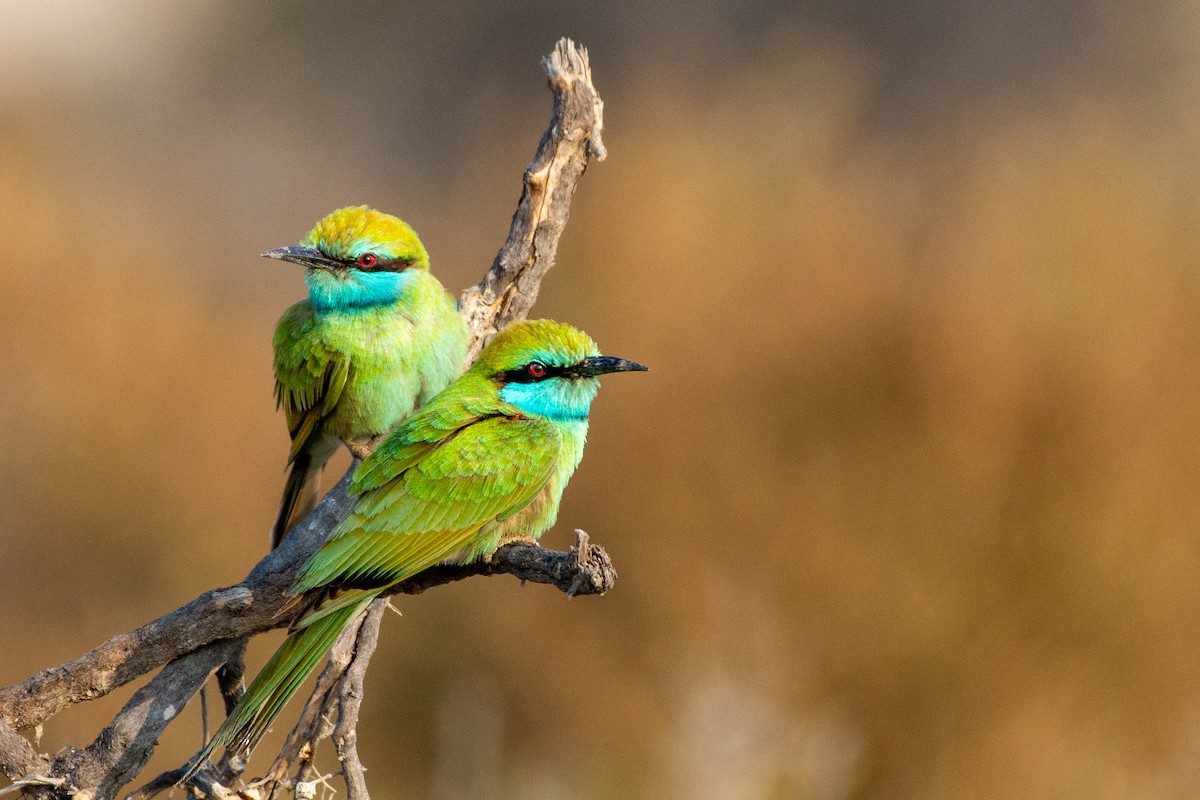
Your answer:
<point x="304" y="256"/>
<point x="600" y="365"/>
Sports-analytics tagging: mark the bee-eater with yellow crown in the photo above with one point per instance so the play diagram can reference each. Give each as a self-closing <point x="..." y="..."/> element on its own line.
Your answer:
<point x="483" y="462"/>
<point x="377" y="337"/>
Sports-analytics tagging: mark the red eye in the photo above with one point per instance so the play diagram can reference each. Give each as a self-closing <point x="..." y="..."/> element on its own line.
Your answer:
<point x="366" y="260"/>
<point x="536" y="369"/>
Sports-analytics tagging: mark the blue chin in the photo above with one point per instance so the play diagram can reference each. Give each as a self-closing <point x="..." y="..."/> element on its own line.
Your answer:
<point x="557" y="399"/>
<point x="354" y="289"/>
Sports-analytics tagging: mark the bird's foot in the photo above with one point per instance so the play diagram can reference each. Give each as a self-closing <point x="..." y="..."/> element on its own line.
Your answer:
<point x="358" y="450"/>
<point x="525" y="540"/>
<point x="363" y="448"/>
<point x="490" y="557"/>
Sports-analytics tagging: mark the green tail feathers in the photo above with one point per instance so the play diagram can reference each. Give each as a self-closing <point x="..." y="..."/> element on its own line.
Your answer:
<point x="300" y="495"/>
<point x="295" y="660"/>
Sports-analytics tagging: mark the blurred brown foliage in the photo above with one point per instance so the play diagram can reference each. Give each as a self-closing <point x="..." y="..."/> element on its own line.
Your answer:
<point x="906" y="507"/>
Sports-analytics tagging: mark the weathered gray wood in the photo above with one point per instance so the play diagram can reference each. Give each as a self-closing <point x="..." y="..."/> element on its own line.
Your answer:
<point x="510" y="287"/>
<point x="17" y="755"/>
<point x="350" y="697"/>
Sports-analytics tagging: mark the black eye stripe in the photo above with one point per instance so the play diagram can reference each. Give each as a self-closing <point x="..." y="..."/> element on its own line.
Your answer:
<point x="521" y="374"/>
<point x="381" y="265"/>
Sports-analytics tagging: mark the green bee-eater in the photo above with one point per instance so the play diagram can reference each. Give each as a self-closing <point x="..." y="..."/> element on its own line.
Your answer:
<point x="483" y="462"/>
<point x="377" y="337"/>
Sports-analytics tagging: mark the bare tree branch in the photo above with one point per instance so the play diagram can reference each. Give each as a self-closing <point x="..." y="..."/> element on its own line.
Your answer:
<point x="249" y="608"/>
<point x="17" y="756"/>
<point x="123" y="748"/>
<point x="510" y="287"/>
<point x="350" y="697"/>
<point x="209" y="633"/>
<point x="159" y="784"/>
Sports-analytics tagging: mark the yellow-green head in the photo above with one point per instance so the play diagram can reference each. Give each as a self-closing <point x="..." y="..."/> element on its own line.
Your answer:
<point x="368" y="239"/>
<point x="357" y="258"/>
<point x="547" y="368"/>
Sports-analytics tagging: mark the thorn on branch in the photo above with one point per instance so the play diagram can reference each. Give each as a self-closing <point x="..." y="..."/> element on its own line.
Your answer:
<point x="594" y="572"/>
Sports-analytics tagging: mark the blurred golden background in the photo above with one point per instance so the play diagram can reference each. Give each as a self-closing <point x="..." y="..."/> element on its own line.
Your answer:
<point x="906" y="508"/>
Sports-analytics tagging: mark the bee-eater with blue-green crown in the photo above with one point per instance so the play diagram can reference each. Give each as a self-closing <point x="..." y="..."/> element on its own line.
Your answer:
<point x="483" y="462"/>
<point x="377" y="337"/>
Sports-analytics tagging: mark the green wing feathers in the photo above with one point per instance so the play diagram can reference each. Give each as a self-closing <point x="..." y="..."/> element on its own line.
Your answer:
<point x="309" y="382"/>
<point x="432" y="426"/>
<point x="309" y="377"/>
<point x="437" y="504"/>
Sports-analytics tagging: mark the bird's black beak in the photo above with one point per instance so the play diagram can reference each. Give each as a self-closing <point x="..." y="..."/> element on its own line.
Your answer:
<point x="600" y="365"/>
<point x="304" y="256"/>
